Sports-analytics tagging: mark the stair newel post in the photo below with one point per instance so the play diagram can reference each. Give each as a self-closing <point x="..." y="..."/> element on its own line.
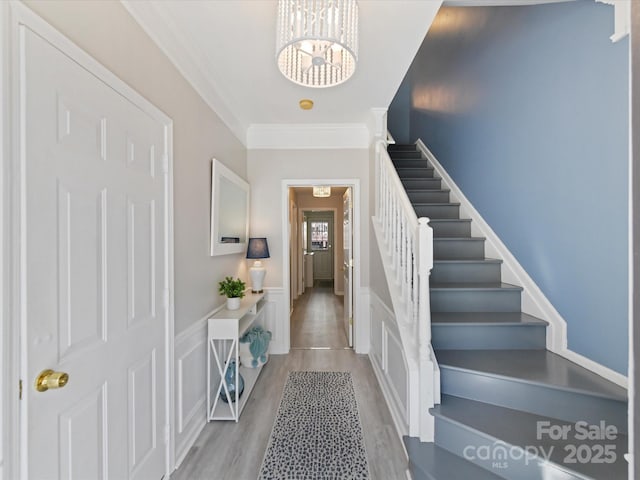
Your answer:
<point x="427" y="367"/>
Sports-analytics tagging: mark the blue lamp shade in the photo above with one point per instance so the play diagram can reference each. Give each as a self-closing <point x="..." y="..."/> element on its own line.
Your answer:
<point x="258" y="248"/>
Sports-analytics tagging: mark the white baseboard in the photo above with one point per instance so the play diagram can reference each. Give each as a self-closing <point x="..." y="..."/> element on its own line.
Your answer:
<point x="534" y="302"/>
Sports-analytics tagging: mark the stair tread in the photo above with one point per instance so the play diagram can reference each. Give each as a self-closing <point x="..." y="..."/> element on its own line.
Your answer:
<point x="474" y="286"/>
<point x="540" y="367"/>
<point x="485" y="318"/>
<point x="518" y="428"/>
<point x="441" y="464"/>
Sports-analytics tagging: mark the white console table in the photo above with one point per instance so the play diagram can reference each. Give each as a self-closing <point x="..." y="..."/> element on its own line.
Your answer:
<point x="224" y="330"/>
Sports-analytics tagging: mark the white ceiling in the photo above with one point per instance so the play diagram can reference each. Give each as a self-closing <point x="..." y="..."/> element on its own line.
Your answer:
<point x="226" y="49"/>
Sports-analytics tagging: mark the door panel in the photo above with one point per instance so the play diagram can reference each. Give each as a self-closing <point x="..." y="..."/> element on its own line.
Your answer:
<point x="94" y="247"/>
<point x="347" y="233"/>
<point x="320" y="242"/>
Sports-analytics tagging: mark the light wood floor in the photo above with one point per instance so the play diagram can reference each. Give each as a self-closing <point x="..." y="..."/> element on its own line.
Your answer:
<point x="317" y="319"/>
<point x="234" y="451"/>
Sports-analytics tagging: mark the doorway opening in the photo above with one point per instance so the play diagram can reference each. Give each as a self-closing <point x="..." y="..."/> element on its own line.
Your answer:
<point x="321" y="274"/>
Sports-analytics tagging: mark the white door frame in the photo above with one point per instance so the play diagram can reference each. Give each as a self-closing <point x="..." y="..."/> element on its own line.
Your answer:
<point x="335" y="218"/>
<point x="359" y="322"/>
<point x="13" y="16"/>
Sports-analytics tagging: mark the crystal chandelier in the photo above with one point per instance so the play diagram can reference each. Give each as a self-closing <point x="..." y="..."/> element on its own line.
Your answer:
<point x="317" y="41"/>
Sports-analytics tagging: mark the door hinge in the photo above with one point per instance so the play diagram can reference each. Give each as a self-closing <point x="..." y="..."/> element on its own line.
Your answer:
<point x="20" y="389"/>
<point x="350" y="320"/>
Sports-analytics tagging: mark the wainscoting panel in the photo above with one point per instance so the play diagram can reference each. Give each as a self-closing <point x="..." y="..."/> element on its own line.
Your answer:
<point x="389" y="364"/>
<point x="191" y="370"/>
<point x="191" y="386"/>
<point x="276" y="321"/>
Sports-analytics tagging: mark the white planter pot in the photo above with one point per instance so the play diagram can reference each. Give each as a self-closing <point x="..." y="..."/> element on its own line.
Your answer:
<point x="233" y="303"/>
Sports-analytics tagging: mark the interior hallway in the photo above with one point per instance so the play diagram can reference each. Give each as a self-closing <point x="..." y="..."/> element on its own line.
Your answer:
<point x="317" y="319"/>
<point x="226" y="450"/>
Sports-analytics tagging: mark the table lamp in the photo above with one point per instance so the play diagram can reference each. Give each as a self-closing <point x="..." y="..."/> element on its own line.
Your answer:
<point x="257" y="249"/>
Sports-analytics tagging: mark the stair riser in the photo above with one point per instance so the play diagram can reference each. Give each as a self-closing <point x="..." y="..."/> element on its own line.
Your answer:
<point x="459" y="228"/>
<point x="444" y="272"/>
<point x="404" y="154"/>
<point x="431" y="196"/>
<point x="488" y="337"/>
<point x="475" y="301"/>
<point x="437" y="211"/>
<point x="463" y="249"/>
<point x="534" y="398"/>
<point x="422" y="172"/>
<point x="410" y="163"/>
<point x="472" y="445"/>
<point x="402" y="147"/>
<point x="422" y="183"/>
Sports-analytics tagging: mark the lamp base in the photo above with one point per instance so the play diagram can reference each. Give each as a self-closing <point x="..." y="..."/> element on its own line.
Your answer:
<point x="257" y="273"/>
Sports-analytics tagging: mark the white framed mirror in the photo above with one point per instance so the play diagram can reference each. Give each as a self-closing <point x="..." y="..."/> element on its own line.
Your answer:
<point x="229" y="211"/>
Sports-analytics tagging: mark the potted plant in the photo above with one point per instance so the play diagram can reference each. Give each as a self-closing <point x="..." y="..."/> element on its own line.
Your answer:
<point x="234" y="291"/>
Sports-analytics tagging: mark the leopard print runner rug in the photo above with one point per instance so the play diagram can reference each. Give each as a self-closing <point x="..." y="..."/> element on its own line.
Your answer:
<point x="317" y="432"/>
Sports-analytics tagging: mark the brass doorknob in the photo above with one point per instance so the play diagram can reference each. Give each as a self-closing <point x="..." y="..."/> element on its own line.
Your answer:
<point x="49" y="379"/>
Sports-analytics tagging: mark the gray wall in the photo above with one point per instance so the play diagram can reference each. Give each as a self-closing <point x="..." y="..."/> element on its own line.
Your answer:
<point x="108" y="33"/>
<point x="527" y="109"/>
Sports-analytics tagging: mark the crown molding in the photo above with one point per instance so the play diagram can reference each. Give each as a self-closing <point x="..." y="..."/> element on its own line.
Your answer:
<point x="167" y="37"/>
<point x="307" y="136"/>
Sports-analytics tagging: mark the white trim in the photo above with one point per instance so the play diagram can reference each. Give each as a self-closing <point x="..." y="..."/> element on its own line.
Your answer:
<point x="173" y="45"/>
<point x="19" y="14"/>
<point x="9" y="459"/>
<point x="307" y="136"/>
<point x="632" y="402"/>
<point x="534" y="302"/>
<point x="358" y="320"/>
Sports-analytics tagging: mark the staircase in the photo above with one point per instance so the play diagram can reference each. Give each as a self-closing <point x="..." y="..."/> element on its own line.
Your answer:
<point x="508" y="406"/>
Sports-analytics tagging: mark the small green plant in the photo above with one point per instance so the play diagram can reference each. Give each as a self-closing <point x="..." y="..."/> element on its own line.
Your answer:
<point x="232" y="288"/>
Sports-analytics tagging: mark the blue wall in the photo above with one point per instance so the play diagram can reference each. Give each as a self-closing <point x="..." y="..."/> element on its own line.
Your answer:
<point x="527" y="109"/>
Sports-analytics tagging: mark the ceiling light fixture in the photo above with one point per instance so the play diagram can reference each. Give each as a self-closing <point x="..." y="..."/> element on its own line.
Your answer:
<point x="306" y="104"/>
<point x="321" y="192"/>
<point x="317" y="41"/>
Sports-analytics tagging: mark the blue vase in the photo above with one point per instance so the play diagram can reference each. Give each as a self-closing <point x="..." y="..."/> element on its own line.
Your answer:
<point x="230" y="378"/>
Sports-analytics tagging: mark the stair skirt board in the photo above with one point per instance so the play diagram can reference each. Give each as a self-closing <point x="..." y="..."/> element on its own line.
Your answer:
<point x="540" y="399"/>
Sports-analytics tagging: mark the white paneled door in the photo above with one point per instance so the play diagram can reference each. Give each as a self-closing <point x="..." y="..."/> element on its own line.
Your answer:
<point x="95" y="273"/>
